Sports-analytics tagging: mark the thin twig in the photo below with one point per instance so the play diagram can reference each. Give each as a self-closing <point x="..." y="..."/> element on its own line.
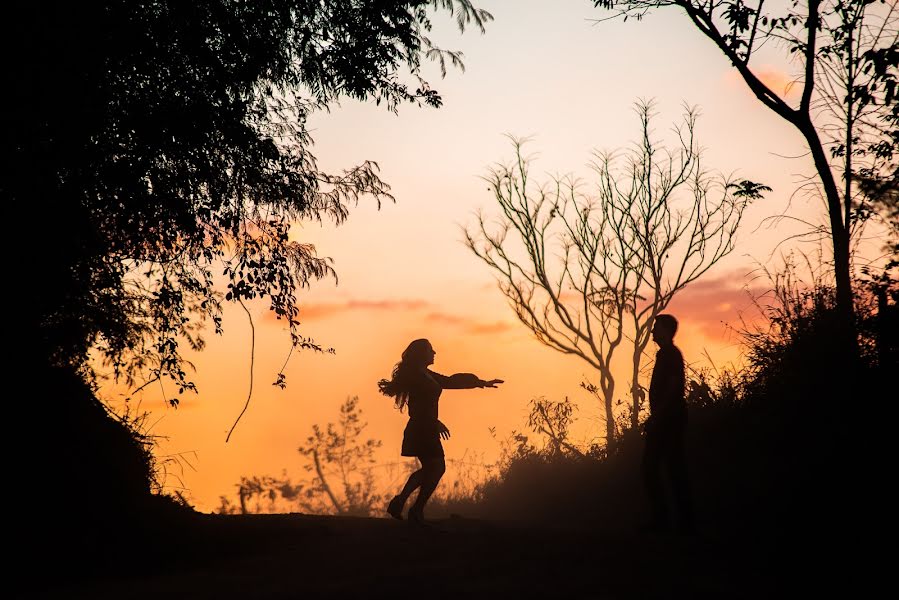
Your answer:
<point x="252" y="359"/>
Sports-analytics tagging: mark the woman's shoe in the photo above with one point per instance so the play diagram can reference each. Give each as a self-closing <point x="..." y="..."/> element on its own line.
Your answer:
<point x="417" y="517"/>
<point x="395" y="508"/>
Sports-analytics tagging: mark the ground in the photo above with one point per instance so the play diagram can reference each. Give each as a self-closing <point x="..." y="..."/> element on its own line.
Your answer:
<point x="305" y="556"/>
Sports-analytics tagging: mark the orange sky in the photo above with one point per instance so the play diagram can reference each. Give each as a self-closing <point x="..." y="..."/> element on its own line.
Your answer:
<point x="542" y="69"/>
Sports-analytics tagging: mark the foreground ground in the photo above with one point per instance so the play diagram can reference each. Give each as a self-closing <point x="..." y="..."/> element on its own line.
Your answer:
<point x="303" y="556"/>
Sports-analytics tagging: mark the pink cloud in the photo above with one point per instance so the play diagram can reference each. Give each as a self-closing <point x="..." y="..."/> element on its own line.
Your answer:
<point x="470" y="325"/>
<point x="778" y="81"/>
<point x="325" y="310"/>
<point x="716" y="305"/>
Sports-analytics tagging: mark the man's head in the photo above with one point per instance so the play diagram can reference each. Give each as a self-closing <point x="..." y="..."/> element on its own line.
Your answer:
<point x="663" y="329"/>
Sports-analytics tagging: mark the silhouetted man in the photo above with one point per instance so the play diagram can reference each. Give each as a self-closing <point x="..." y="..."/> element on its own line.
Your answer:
<point x="665" y="431"/>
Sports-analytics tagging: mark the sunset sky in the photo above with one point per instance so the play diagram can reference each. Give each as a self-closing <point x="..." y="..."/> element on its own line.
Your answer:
<point x="543" y="69"/>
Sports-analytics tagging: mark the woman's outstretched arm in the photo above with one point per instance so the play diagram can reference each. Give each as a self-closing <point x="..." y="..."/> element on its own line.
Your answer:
<point x="463" y="381"/>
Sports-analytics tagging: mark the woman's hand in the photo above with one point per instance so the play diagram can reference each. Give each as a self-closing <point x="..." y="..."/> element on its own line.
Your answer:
<point x="443" y="431"/>
<point x="492" y="383"/>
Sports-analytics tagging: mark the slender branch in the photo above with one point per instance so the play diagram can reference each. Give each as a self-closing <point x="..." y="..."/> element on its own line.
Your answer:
<point x="252" y="361"/>
<point x="812" y="29"/>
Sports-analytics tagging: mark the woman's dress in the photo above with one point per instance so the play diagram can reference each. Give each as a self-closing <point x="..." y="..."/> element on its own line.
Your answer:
<point x="422" y="435"/>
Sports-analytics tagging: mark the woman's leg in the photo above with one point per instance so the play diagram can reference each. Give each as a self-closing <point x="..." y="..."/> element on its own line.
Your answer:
<point x="395" y="507"/>
<point x="414" y="481"/>
<point x="433" y="468"/>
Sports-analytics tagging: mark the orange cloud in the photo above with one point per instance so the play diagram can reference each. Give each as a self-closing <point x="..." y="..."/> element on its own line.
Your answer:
<point x="778" y="81"/>
<point x="487" y="328"/>
<point x="314" y="312"/>
<point x="469" y="325"/>
<point x="327" y="310"/>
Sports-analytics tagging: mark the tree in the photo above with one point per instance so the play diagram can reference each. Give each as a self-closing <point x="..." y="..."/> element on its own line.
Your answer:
<point x="184" y="149"/>
<point x="847" y="113"/>
<point x="339" y="454"/>
<point x="586" y="271"/>
<point x="340" y="462"/>
<point x="675" y="247"/>
<point x="163" y="147"/>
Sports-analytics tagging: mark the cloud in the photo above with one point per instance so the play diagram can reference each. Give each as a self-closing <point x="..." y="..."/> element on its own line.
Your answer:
<point x="445" y="318"/>
<point x="778" y="81"/>
<point x="716" y="305"/>
<point x="470" y="325"/>
<point x="327" y="310"/>
<point x="711" y="305"/>
<point x="488" y="328"/>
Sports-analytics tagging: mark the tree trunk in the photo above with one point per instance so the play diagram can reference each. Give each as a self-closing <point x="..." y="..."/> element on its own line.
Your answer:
<point x="883" y="352"/>
<point x="242" y="494"/>
<point x="637" y="394"/>
<point x="608" y="399"/>
<point x="321" y="476"/>
<point x="611" y="437"/>
<point x="839" y="235"/>
<point x="842" y="272"/>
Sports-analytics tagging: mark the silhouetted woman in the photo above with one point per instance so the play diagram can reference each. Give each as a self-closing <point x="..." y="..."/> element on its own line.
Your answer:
<point x="419" y="388"/>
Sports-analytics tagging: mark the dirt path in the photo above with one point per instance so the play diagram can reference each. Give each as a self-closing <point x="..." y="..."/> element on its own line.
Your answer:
<point x="301" y="556"/>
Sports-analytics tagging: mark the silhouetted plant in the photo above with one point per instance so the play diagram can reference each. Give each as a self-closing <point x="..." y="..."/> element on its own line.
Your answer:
<point x="340" y="463"/>
<point x="338" y="455"/>
<point x="794" y="344"/>
<point x="707" y="388"/>
<point x="261" y="494"/>
<point x="552" y="420"/>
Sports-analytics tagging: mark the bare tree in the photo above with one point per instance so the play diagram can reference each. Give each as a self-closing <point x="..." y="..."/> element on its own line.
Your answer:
<point x="556" y="258"/>
<point x="680" y="220"/>
<point x="582" y="271"/>
<point x="846" y="57"/>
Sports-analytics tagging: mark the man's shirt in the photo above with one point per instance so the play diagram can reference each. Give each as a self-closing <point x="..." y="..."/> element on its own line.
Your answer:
<point x="666" y="389"/>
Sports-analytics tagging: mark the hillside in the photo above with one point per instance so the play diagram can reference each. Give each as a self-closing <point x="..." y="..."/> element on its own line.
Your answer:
<point x="292" y="555"/>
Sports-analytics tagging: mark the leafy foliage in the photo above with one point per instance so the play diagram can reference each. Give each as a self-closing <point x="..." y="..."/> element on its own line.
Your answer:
<point x="794" y="343"/>
<point x="181" y="156"/>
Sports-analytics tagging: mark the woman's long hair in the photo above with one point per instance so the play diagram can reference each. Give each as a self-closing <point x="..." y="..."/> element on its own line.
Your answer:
<point x="414" y="357"/>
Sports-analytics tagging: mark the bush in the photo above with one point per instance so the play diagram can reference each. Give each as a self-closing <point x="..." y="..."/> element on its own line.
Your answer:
<point x="786" y="447"/>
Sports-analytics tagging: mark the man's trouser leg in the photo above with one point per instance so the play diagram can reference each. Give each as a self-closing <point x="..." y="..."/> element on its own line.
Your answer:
<point x="652" y="479"/>
<point x="680" y="481"/>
